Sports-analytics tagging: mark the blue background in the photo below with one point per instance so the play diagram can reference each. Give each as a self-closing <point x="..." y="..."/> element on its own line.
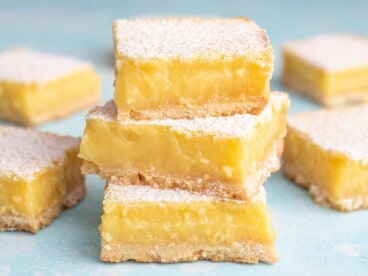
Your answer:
<point x="310" y="239"/>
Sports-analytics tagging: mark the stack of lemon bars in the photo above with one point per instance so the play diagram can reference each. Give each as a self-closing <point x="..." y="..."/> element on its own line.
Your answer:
<point x="191" y="135"/>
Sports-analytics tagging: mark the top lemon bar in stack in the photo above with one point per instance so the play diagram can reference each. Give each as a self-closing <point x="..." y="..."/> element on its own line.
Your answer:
<point x="190" y="67"/>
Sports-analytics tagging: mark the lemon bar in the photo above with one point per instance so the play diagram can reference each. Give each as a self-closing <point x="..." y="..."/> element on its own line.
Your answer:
<point x="39" y="176"/>
<point x="327" y="152"/>
<point x="330" y="69"/>
<point x="36" y="87"/>
<point x="153" y="225"/>
<point x="190" y="67"/>
<point x="225" y="156"/>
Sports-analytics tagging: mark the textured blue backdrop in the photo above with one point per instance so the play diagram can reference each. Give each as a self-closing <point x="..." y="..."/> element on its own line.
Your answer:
<point x="311" y="239"/>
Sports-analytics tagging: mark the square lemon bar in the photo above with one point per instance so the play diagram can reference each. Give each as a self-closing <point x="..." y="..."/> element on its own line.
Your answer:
<point x="39" y="176"/>
<point x="224" y="156"/>
<point x="327" y="152"/>
<point x="190" y="67"/>
<point x="330" y="69"/>
<point x="154" y="225"/>
<point x="36" y="87"/>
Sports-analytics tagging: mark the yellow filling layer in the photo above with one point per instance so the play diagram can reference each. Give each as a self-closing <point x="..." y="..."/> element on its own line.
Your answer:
<point x="20" y="196"/>
<point x="24" y="102"/>
<point x="150" y="84"/>
<point x="199" y="222"/>
<point x="312" y="78"/>
<point x="339" y="176"/>
<point x="352" y="80"/>
<point x="111" y="145"/>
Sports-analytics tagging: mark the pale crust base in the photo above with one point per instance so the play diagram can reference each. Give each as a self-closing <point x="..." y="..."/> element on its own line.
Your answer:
<point x="329" y="101"/>
<point x="13" y="221"/>
<point x="320" y="196"/>
<point x="63" y="110"/>
<point x="134" y="176"/>
<point x="252" y="105"/>
<point x="245" y="252"/>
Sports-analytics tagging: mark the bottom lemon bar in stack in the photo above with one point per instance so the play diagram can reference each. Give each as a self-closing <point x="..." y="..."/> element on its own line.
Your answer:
<point x="145" y="224"/>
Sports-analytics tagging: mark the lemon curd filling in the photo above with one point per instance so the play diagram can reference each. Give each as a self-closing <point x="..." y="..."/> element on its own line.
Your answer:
<point x="44" y="86"/>
<point x="39" y="176"/>
<point x="346" y="81"/>
<point x="48" y="188"/>
<point x="217" y="62"/>
<point x="200" y="222"/>
<point x="218" y="150"/>
<point x="326" y="84"/>
<point x="331" y="69"/>
<point x="154" y="85"/>
<point x="324" y="151"/>
<point x="140" y="216"/>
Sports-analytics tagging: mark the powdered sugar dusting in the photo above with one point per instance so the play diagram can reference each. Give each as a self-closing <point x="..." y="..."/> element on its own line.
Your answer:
<point x="240" y="126"/>
<point x="343" y="130"/>
<point x="25" y="152"/>
<point x="332" y="52"/>
<point x="27" y="66"/>
<point x="131" y="193"/>
<point x="187" y="38"/>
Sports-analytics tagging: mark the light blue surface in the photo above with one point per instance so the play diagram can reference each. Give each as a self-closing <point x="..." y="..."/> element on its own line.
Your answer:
<point x="311" y="240"/>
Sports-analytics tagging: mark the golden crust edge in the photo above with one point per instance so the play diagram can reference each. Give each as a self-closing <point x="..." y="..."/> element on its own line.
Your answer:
<point x="252" y="105"/>
<point x="243" y="252"/>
